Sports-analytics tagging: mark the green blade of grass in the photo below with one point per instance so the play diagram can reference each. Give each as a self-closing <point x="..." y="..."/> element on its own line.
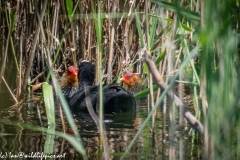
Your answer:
<point x="49" y="103"/>
<point x="69" y="9"/>
<point x="49" y="142"/>
<point x="13" y="19"/>
<point x="185" y="27"/>
<point x="152" y="34"/>
<point x="144" y="92"/>
<point x="178" y="9"/>
<point x="139" y="28"/>
<point x="160" y="57"/>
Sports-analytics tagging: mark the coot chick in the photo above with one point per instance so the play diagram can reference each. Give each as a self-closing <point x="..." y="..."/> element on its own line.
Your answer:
<point x="115" y="98"/>
<point x="131" y="81"/>
<point x="69" y="81"/>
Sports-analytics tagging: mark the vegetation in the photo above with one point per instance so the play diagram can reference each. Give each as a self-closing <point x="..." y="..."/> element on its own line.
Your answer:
<point x="42" y="37"/>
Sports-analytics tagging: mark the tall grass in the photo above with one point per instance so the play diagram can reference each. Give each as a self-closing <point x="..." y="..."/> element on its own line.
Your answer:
<point x="110" y="35"/>
<point x="220" y="82"/>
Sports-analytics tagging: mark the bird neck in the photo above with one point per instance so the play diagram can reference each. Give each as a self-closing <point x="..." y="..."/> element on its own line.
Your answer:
<point x="83" y="83"/>
<point x="69" y="80"/>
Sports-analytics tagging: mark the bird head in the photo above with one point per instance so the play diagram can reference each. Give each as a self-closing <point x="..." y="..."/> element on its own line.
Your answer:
<point x="131" y="81"/>
<point x="86" y="72"/>
<point x="127" y="78"/>
<point x="73" y="70"/>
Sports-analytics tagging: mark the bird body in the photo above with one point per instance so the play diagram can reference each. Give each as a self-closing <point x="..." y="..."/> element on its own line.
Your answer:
<point x="115" y="98"/>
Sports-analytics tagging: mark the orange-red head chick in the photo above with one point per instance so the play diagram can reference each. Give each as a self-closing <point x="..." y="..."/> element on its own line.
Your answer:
<point x="131" y="81"/>
<point x="70" y="78"/>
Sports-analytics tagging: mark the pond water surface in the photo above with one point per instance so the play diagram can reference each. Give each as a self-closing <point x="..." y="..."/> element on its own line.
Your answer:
<point x="120" y="132"/>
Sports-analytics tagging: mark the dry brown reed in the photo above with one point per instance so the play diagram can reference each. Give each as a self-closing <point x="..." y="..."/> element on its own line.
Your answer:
<point x="120" y="37"/>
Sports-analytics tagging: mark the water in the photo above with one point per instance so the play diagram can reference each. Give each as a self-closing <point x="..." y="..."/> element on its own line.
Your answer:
<point x="120" y="133"/>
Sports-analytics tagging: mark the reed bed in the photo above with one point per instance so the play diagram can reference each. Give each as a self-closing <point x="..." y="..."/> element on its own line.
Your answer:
<point x="43" y="38"/>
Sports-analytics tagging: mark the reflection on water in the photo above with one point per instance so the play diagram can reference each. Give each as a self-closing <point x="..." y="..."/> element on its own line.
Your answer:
<point x="121" y="129"/>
